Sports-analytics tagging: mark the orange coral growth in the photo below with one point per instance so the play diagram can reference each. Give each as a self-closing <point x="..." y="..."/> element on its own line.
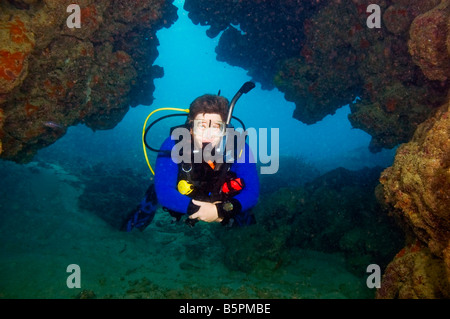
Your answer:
<point x="146" y="18"/>
<point x="30" y="109"/>
<point x="391" y="105"/>
<point x="70" y="84"/>
<point x="54" y="90"/>
<point x="417" y="246"/>
<point x="89" y="12"/>
<point x="33" y="132"/>
<point x="18" y="32"/>
<point x="307" y="53"/>
<point x="96" y="79"/>
<point x="362" y="8"/>
<point x="412" y="248"/>
<point x="357" y="27"/>
<point x="11" y="64"/>
<point x="401" y="253"/>
<point x="122" y="57"/>
<point x="89" y="16"/>
<point x="402" y="12"/>
<point x="364" y="44"/>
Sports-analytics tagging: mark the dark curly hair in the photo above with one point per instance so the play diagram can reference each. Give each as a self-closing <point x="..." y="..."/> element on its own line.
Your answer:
<point x="209" y="103"/>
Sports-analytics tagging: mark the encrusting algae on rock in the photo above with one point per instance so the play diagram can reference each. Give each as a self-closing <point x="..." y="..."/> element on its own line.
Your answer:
<point x="90" y="75"/>
<point x="417" y="191"/>
<point x="430" y="44"/>
<point x="415" y="273"/>
<point x="16" y="44"/>
<point x="322" y="55"/>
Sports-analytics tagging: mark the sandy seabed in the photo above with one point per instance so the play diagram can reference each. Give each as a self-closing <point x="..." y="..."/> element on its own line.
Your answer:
<point x="42" y="231"/>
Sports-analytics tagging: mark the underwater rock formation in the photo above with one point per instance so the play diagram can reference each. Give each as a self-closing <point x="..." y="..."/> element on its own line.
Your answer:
<point x="111" y="193"/>
<point x="53" y="76"/>
<point x="336" y="213"/>
<point x="256" y="34"/>
<point x="342" y="58"/>
<point x="429" y="43"/>
<point x="416" y="190"/>
<point x="322" y="55"/>
<point x="415" y="273"/>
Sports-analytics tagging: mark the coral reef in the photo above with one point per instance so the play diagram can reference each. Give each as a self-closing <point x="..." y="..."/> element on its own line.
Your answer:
<point x="336" y="213"/>
<point x="322" y="76"/>
<point x="53" y="76"/>
<point x="430" y="42"/>
<point x="416" y="190"/>
<point x="322" y="55"/>
<point x="415" y="273"/>
<point x="256" y="34"/>
<point x="342" y="59"/>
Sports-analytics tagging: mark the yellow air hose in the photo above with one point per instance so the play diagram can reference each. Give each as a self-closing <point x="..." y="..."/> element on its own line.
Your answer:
<point x="145" y="125"/>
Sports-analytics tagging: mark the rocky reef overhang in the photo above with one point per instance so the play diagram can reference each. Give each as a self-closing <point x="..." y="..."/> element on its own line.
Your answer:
<point x="323" y="55"/>
<point x="53" y="76"/>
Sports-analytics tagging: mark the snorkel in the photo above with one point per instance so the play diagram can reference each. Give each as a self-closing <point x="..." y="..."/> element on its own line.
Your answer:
<point x="230" y="132"/>
<point x="245" y="88"/>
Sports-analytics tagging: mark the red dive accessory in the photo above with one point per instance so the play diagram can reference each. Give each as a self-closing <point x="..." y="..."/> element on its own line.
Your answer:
<point x="233" y="186"/>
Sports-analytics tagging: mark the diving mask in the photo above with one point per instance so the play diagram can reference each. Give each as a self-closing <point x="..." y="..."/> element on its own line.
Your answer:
<point x="208" y="128"/>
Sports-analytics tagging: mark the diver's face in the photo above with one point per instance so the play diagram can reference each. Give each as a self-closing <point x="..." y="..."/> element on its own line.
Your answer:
<point x="207" y="128"/>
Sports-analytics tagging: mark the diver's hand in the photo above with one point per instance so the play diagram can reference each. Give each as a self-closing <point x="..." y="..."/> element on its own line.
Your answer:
<point x="207" y="212"/>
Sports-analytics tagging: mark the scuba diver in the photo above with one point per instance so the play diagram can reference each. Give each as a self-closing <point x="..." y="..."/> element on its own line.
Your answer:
<point x="208" y="190"/>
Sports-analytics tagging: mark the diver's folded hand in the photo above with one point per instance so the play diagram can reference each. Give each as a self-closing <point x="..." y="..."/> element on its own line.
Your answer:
<point x="207" y="212"/>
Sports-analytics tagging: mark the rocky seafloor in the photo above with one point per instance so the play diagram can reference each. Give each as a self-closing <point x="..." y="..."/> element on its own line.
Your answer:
<point x="312" y="240"/>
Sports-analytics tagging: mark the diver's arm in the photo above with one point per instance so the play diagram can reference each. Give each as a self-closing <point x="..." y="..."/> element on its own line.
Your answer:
<point x="207" y="212"/>
<point x="166" y="177"/>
